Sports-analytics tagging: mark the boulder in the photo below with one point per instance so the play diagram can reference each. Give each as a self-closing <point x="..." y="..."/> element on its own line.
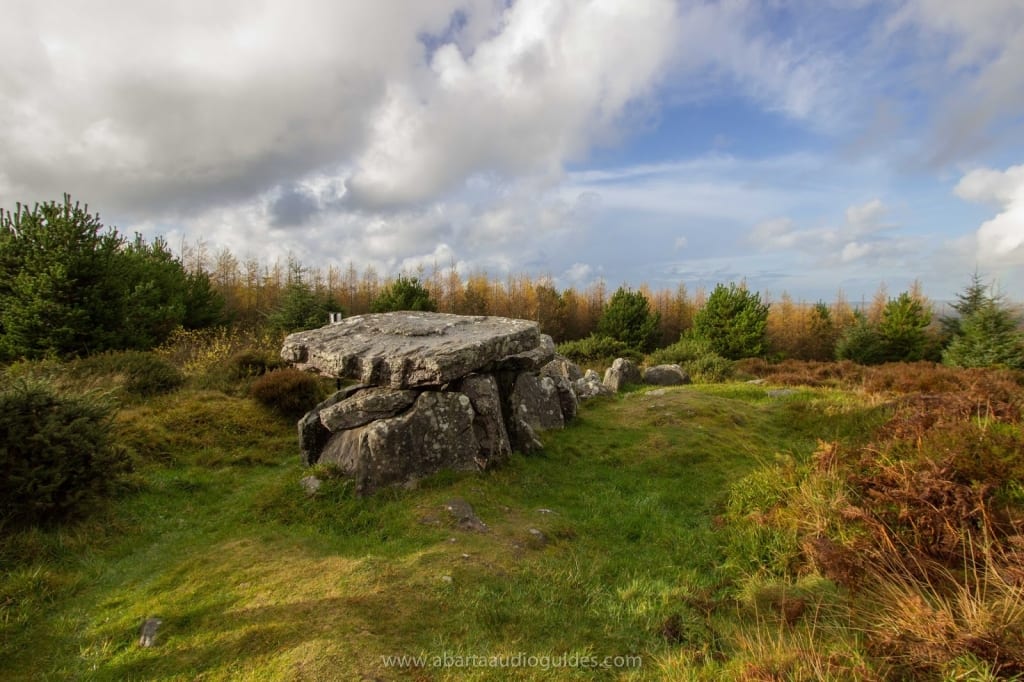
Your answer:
<point x="313" y="435"/>
<point x="409" y="349"/>
<point x="488" y="421"/>
<point x="562" y="367"/>
<point x="590" y="386"/>
<point x="666" y="375"/>
<point x="365" y="406"/>
<point x="566" y="397"/>
<point x="534" y="406"/>
<point x="435" y="433"/>
<point x="622" y="373"/>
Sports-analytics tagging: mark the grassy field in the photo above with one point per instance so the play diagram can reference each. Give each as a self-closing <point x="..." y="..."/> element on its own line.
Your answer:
<point x="607" y="554"/>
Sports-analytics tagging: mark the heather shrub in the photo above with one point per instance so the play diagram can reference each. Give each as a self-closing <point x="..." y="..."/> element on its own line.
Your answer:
<point x="288" y="391"/>
<point x="57" y="455"/>
<point x="251" y="362"/>
<point x="136" y="372"/>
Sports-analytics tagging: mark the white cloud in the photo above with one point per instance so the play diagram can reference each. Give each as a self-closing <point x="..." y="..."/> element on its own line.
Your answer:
<point x="976" y="83"/>
<point x="177" y="107"/>
<point x="578" y="273"/>
<point x="1000" y="240"/>
<point x="862" y="236"/>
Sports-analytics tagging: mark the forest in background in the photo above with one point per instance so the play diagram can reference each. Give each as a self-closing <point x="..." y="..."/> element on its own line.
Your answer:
<point x="69" y="286"/>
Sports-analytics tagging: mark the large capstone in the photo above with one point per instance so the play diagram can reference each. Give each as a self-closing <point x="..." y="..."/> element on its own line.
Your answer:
<point x="437" y="392"/>
<point x="409" y="349"/>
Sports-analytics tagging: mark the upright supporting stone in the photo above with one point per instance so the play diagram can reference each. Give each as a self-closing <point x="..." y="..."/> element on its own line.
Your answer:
<point x="435" y="434"/>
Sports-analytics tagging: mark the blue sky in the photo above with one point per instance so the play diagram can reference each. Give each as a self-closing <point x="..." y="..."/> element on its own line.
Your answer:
<point x="807" y="146"/>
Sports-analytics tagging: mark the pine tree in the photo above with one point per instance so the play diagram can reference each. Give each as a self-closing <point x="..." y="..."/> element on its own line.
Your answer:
<point x="986" y="333"/>
<point x="733" y="321"/>
<point x="902" y="329"/>
<point x="405" y="293"/>
<point x="628" y="318"/>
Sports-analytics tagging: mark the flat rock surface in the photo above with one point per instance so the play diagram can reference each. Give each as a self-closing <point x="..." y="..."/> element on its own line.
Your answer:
<point x="409" y="349"/>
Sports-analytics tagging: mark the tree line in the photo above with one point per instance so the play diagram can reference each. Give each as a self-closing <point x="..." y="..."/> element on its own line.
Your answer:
<point x="70" y="287"/>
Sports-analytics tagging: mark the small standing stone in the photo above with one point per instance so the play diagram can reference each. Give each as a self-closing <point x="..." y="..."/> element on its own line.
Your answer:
<point x="147" y="633"/>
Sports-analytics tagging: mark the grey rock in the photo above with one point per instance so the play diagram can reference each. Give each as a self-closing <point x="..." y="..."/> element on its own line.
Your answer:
<point x="590" y="386"/>
<point x="409" y="349"/>
<point x="622" y="373"/>
<point x="531" y="360"/>
<point x="147" y="632"/>
<point x="535" y="406"/>
<point x="313" y="435"/>
<point x="566" y="397"/>
<point x="781" y="392"/>
<point x="666" y="375"/>
<point x="435" y="433"/>
<point x="562" y="367"/>
<point x="366" y="406"/>
<point x="311" y="484"/>
<point x="489" y="420"/>
<point x="464" y="516"/>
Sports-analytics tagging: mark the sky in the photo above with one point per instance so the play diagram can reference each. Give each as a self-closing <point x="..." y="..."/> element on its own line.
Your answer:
<point x="805" y="146"/>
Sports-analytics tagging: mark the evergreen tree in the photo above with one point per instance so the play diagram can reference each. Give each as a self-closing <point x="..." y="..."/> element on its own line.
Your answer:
<point x="733" y="321"/>
<point x="968" y="301"/>
<point x="70" y="286"/>
<point x="861" y="342"/>
<point x="628" y="318"/>
<point x="300" y="307"/>
<point x="405" y="293"/>
<point x="902" y="329"/>
<point x="987" y="332"/>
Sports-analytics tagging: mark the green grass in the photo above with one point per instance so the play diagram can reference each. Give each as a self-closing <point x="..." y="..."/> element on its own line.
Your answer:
<point x="255" y="580"/>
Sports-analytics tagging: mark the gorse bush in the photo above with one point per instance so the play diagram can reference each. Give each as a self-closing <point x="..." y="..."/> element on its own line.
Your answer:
<point x="57" y="455"/>
<point x="596" y="348"/>
<point x="137" y="372"/>
<point x="709" y="369"/>
<point x="288" y="391"/>
<point x="200" y="351"/>
<point x="685" y="350"/>
<point x="695" y="356"/>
